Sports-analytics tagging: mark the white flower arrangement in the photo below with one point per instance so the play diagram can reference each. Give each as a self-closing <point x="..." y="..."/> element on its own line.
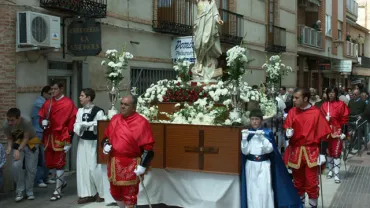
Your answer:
<point x="116" y="64"/>
<point x="211" y="107"/>
<point x="236" y="60"/>
<point x="182" y="67"/>
<point x="236" y="53"/>
<point x="275" y="69"/>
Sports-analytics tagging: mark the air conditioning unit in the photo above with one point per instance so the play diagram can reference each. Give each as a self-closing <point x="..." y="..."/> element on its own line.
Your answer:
<point x="35" y="30"/>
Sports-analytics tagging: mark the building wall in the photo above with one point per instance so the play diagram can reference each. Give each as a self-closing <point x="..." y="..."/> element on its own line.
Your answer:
<point x="255" y="23"/>
<point x="7" y="57"/>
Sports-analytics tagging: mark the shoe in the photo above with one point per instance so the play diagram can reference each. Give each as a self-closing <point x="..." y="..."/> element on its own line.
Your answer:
<point x="50" y="181"/>
<point x="19" y="197"/>
<point x="42" y="185"/>
<point x="337" y="179"/>
<point x="98" y="198"/>
<point x="31" y="197"/>
<point x="86" y="200"/>
<point x="330" y="175"/>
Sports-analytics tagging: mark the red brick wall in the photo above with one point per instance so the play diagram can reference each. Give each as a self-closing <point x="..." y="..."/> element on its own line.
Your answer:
<point x="334" y="26"/>
<point x="344" y="27"/>
<point x="322" y="13"/>
<point x="7" y="58"/>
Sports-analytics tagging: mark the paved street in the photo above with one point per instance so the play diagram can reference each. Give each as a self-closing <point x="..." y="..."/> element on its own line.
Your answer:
<point x="69" y="199"/>
<point x="354" y="191"/>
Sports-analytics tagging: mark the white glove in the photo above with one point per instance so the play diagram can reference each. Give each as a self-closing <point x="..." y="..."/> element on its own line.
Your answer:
<point x="107" y="148"/>
<point x="321" y="159"/>
<point x="245" y="134"/>
<point x="140" y="170"/>
<point x="342" y="136"/>
<point x="66" y="148"/>
<point x="289" y="133"/>
<point x="286" y="143"/>
<point x="260" y="132"/>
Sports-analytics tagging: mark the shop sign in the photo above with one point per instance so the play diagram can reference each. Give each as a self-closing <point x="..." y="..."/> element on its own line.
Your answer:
<point x="84" y="38"/>
<point x="183" y="47"/>
<point x="341" y="65"/>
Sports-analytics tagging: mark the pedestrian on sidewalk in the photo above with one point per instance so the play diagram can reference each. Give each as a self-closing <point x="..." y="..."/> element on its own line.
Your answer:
<point x="23" y="144"/>
<point x="42" y="171"/>
<point x="305" y="127"/>
<point x="89" y="174"/>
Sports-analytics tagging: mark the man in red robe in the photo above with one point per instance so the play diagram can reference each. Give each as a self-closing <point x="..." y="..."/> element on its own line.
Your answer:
<point x="336" y="113"/>
<point x="129" y="143"/>
<point x="305" y="126"/>
<point x="57" y="117"/>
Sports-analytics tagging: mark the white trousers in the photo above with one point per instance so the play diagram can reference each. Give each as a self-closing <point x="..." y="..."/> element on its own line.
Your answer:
<point x="89" y="173"/>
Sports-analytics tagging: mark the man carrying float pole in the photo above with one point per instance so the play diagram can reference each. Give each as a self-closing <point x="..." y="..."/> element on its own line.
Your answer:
<point x="305" y="127"/>
<point x="57" y="117"/>
<point x="129" y="143"/>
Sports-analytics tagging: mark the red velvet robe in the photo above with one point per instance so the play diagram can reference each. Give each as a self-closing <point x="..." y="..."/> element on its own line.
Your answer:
<point x="62" y="117"/>
<point x="129" y="137"/>
<point x="309" y="127"/>
<point x="339" y="112"/>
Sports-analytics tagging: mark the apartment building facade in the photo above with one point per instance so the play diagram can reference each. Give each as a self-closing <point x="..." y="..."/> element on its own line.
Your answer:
<point x="147" y="29"/>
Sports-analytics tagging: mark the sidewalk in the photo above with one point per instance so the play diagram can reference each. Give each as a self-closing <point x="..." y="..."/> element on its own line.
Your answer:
<point x="354" y="191"/>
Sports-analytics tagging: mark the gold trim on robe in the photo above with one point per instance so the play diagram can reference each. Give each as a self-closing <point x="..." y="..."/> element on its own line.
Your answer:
<point x="113" y="174"/>
<point x="310" y="153"/>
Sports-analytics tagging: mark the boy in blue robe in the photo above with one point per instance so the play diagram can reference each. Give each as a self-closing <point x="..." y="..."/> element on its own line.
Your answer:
<point x="265" y="181"/>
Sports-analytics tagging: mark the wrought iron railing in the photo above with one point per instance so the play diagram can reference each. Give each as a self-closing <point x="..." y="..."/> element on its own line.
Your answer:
<point x="276" y="39"/>
<point x="85" y="8"/>
<point x="174" y="17"/>
<point x="309" y="36"/>
<point x="232" y="31"/>
<point x="352" y="7"/>
<point x="177" y="17"/>
<point x="351" y="49"/>
<point x="142" y="78"/>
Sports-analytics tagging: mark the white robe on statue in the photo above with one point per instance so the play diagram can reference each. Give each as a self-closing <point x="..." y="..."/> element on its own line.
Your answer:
<point x="89" y="173"/>
<point x="258" y="174"/>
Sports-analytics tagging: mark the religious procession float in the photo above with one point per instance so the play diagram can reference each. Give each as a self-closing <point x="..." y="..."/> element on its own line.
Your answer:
<point x="196" y="123"/>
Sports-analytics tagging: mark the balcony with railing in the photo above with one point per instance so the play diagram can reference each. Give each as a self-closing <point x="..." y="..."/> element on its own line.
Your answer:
<point x="309" y="36"/>
<point x="85" y="8"/>
<point x="351" y="49"/>
<point x="352" y="9"/>
<point x="177" y="17"/>
<point x="276" y="39"/>
<point x="232" y="31"/>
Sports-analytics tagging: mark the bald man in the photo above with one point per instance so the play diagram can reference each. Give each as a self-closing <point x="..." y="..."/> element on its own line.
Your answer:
<point x="129" y="143"/>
